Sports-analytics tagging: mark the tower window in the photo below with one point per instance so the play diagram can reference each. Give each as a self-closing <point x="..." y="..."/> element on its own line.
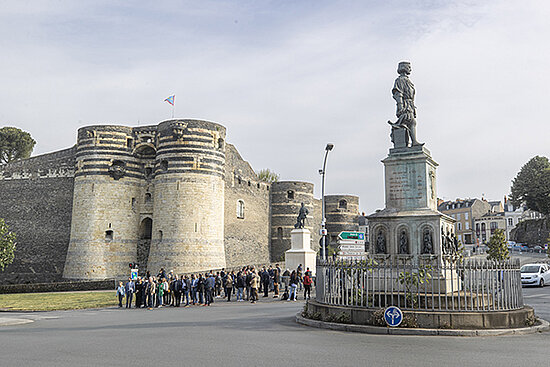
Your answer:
<point x="148" y="172"/>
<point x="164" y="165"/>
<point x="343" y="204"/>
<point x="280" y="233"/>
<point x="109" y="235"/>
<point x="129" y="142"/>
<point x="290" y="194"/>
<point x="148" y="198"/>
<point x="240" y="209"/>
<point x="160" y="235"/>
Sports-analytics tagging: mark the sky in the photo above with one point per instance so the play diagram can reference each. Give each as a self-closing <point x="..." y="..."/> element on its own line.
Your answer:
<point x="287" y="77"/>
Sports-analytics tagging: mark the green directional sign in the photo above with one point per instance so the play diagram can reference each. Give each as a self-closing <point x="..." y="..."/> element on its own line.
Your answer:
<point x="357" y="236"/>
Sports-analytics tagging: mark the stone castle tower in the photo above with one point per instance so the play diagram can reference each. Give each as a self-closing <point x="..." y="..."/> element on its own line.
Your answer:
<point x="154" y="194"/>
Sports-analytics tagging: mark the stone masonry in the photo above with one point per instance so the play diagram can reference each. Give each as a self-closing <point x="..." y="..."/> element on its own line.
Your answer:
<point x="173" y="195"/>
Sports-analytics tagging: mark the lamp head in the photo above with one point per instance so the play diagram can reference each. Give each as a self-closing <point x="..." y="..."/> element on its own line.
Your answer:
<point x="329" y="147"/>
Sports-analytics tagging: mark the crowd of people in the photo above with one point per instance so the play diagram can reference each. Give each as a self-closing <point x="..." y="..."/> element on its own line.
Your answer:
<point x="169" y="289"/>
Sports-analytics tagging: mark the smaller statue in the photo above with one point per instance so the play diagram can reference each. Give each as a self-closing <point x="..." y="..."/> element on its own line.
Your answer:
<point x="404" y="243"/>
<point x="381" y="243"/>
<point x="443" y="241"/>
<point x="301" y="220"/>
<point x="427" y="245"/>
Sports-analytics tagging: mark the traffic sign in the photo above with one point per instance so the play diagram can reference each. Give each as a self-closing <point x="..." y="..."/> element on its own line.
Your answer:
<point x="357" y="236"/>
<point x="393" y="316"/>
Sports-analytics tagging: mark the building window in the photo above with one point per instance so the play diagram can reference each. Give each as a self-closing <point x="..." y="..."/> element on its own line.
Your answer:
<point x="458" y="216"/>
<point x="290" y="194"/>
<point x="109" y="235"/>
<point x="160" y="235"/>
<point x="483" y="227"/>
<point x="459" y="226"/>
<point x="467" y="225"/>
<point x="129" y="142"/>
<point x="280" y="233"/>
<point x="164" y="165"/>
<point x="147" y="198"/>
<point x="494" y="225"/>
<point x="342" y="204"/>
<point x="466" y="215"/>
<point x="510" y="221"/>
<point x="240" y="209"/>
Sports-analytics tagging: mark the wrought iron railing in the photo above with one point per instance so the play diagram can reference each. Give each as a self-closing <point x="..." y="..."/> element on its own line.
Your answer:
<point x="421" y="283"/>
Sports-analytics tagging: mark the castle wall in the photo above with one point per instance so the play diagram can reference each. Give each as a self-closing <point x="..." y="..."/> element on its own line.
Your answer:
<point x="36" y="201"/>
<point x="246" y="236"/>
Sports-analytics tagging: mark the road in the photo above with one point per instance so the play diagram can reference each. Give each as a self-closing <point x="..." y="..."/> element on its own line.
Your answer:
<point x="242" y="334"/>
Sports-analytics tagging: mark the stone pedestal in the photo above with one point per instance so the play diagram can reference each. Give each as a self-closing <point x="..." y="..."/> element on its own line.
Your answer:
<point x="410" y="223"/>
<point x="300" y="251"/>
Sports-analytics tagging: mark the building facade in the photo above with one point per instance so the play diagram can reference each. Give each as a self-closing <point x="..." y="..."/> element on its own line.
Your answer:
<point x="465" y="211"/>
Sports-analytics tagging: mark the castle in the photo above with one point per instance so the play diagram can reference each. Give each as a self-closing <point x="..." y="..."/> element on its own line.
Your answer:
<point x="173" y="195"/>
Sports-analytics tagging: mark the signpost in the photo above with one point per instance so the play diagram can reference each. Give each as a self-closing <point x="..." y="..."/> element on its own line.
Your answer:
<point x="393" y="316"/>
<point x="351" y="245"/>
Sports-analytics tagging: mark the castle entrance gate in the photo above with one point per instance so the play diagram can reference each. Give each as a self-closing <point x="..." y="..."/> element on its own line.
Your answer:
<point x="144" y="243"/>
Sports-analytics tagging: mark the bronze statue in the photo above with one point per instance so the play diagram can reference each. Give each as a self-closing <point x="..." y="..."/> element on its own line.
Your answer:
<point x="404" y="243"/>
<point x="403" y="92"/>
<point x="381" y="243"/>
<point x="427" y="243"/>
<point x="301" y="220"/>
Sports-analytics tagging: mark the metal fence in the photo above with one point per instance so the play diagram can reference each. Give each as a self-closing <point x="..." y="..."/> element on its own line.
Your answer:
<point x="413" y="283"/>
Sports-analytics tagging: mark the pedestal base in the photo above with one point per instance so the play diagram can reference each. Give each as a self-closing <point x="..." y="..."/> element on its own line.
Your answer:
<point x="300" y="251"/>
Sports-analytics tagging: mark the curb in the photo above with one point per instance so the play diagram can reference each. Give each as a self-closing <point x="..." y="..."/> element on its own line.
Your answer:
<point x="11" y="322"/>
<point x="380" y="330"/>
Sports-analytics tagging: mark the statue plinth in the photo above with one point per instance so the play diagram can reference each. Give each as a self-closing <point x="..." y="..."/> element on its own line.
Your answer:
<point x="300" y="251"/>
<point x="410" y="224"/>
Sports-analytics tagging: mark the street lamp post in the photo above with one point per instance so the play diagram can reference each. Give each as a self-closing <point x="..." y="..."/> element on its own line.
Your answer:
<point x="324" y="250"/>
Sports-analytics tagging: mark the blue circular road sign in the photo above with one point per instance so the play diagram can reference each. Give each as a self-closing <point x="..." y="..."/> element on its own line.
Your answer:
<point x="393" y="316"/>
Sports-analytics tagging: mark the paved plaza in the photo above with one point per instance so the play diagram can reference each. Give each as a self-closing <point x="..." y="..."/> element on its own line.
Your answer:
<point x="242" y="334"/>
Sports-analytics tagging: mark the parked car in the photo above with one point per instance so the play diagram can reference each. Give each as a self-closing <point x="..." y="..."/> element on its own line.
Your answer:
<point x="538" y="249"/>
<point x="535" y="274"/>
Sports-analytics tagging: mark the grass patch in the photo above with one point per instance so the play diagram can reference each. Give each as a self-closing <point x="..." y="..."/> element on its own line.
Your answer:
<point x="57" y="301"/>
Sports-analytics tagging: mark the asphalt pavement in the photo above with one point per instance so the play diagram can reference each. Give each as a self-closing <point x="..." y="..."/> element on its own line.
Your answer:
<point x="242" y="334"/>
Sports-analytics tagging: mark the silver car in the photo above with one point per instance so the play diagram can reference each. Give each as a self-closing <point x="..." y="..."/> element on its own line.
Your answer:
<point x="535" y="274"/>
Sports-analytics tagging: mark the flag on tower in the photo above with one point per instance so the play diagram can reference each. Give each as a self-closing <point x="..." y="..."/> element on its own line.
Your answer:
<point x="170" y="99"/>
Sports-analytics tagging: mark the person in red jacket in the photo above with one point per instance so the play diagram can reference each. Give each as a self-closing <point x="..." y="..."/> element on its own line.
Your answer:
<point x="307" y="286"/>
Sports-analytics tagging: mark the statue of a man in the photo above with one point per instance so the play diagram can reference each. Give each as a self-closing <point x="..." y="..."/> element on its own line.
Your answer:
<point x="301" y="220"/>
<point x="403" y="93"/>
<point x="427" y="246"/>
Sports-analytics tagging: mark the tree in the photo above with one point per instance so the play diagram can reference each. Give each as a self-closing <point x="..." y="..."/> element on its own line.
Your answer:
<point x="7" y="245"/>
<point x="532" y="185"/>
<point x="266" y="175"/>
<point x="497" y="249"/>
<point x="15" y="144"/>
